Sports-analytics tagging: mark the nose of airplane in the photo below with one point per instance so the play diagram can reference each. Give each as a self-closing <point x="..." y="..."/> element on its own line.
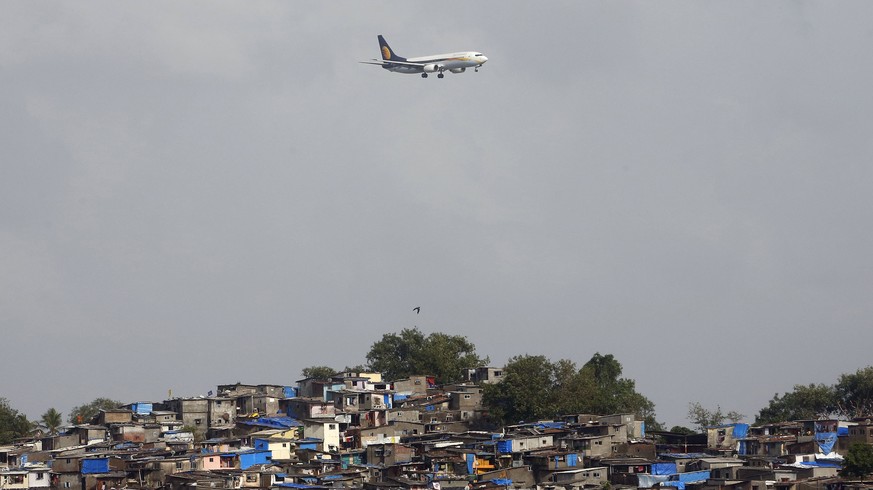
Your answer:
<point x="484" y="58"/>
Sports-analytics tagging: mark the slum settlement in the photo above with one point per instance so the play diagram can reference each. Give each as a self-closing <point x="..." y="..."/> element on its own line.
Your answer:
<point x="357" y="430"/>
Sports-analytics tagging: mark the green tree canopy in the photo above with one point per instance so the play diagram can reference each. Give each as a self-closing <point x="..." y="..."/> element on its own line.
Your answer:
<point x="850" y="397"/>
<point x="703" y="417"/>
<point x="51" y="420"/>
<point x="573" y="392"/>
<point x="525" y="393"/>
<point x="360" y="368"/>
<point x="13" y="424"/>
<point x="410" y="353"/>
<point x="805" y="402"/>
<point x="534" y="388"/>
<point x="854" y="393"/>
<point x="84" y="413"/>
<point x="858" y="462"/>
<point x="616" y="394"/>
<point x="319" y="372"/>
<point x="681" y="429"/>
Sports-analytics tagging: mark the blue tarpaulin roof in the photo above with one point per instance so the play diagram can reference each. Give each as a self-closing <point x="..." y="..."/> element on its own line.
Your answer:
<point x="691" y="476"/>
<point x="826" y="441"/>
<point x="501" y="481"/>
<point x="680" y="479"/>
<point x="298" y="485"/>
<point x="663" y="468"/>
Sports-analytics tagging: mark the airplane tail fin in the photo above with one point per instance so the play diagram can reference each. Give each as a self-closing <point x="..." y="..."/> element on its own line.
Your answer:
<point x="388" y="54"/>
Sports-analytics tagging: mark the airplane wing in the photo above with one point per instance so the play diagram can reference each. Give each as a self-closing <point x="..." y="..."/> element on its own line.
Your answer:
<point x="387" y="62"/>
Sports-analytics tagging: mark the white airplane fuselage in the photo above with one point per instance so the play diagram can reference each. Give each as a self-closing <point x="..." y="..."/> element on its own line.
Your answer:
<point x="438" y="63"/>
<point x="453" y="62"/>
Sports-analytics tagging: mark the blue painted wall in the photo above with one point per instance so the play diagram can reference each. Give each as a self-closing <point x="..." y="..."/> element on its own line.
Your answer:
<point x="95" y="465"/>
<point x="251" y="458"/>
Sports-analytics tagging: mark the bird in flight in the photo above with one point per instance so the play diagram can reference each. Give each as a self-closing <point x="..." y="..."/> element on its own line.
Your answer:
<point x="417" y="310"/>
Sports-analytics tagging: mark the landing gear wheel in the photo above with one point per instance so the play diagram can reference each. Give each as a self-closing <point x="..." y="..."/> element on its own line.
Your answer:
<point x="440" y="75"/>
<point x="424" y="75"/>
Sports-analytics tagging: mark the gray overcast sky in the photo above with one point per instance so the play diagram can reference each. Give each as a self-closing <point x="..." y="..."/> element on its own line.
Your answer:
<point x="195" y="193"/>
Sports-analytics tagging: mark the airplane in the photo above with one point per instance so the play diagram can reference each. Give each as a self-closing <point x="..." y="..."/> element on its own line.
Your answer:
<point x="438" y="63"/>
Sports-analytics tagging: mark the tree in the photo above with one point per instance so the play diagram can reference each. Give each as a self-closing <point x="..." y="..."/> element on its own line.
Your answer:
<point x="858" y="462"/>
<point x="84" y="413"/>
<point x="573" y="391"/>
<point x="448" y="356"/>
<point x="13" y="424"/>
<point x="854" y="393"/>
<point x="533" y="387"/>
<point x="604" y="369"/>
<point x="397" y="356"/>
<point x="410" y="353"/>
<point x="644" y="409"/>
<point x="616" y="394"/>
<point x="679" y="429"/>
<point x="526" y="391"/>
<point x="704" y="418"/>
<point x="51" y="420"/>
<point x="805" y="402"/>
<point x="850" y="397"/>
<point x="22" y="426"/>
<point x="318" y="372"/>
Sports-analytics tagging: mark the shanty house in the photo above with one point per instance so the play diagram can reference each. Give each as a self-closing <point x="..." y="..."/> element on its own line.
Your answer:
<point x="324" y="429"/>
<point x="580" y="477"/>
<point x="113" y="416"/>
<point x="414" y="385"/>
<point x="281" y="449"/>
<point x="523" y="443"/>
<point x="13" y="479"/>
<point x="389" y="454"/>
<point x="485" y="374"/>
<point x="103" y="472"/>
<point x="194" y="413"/>
<point x="308" y="408"/>
<point x="726" y="437"/>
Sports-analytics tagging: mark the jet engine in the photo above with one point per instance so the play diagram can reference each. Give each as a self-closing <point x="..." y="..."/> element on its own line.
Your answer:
<point x="431" y="68"/>
<point x="458" y="70"/>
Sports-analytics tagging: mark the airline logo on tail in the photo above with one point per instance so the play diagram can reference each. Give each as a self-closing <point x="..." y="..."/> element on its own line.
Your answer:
<point x="386" y="53"/>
